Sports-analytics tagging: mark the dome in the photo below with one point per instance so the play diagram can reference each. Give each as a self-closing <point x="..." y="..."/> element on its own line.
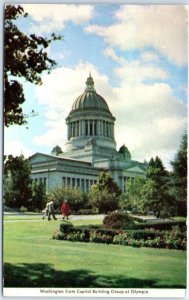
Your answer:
<point x="90" y="123"/>
<point x="125" y="152"/>
<point x="90" y="99"/>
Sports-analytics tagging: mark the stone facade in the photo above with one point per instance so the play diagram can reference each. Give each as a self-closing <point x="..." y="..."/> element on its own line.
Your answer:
<point x="90" y="148"/>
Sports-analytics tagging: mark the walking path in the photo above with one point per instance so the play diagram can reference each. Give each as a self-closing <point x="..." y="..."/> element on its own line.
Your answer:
<point x="26" y="217"/>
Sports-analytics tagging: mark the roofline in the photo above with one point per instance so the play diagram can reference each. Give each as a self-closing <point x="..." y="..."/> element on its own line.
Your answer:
<point x="60" y="158"/>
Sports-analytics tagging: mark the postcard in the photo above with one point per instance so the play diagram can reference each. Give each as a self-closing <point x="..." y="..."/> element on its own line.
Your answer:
<point x="95" y="150"/>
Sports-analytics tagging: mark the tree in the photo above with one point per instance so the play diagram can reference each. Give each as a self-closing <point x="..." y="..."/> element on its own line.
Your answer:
<point x="39" y="197"/>
<point x="131" y="198"/>
<point x="17" y="182"/>
<point x="155" y="195"/>
<point x="156" y="198"/>
<point x="24" y="57"/>
<point x="105" y="181"/>
<point x="104" y="196"/>
<point x="178" y="183"/>
<point x="76" y="198"/>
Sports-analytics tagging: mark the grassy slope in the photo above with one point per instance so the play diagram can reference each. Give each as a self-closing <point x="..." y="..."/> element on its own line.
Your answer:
<point x="33" y="259"/>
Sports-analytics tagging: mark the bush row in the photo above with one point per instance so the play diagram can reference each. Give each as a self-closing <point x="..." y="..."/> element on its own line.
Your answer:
<point x="140" y="238"/>
<point x="166" y="225"/>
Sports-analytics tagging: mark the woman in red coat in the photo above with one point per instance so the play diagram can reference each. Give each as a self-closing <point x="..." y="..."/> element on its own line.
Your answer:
<point x="65" y="209"/>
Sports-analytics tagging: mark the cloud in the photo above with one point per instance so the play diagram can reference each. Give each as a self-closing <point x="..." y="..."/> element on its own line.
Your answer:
<point x="58" y="92"/>
<point x="137" y="70"/>
<point x="149" y="56"/>
<point x="163" y="27"/>
<point x="150" y="120"/>
<point x="51" y="17"/>
<point x="16" y="148"/>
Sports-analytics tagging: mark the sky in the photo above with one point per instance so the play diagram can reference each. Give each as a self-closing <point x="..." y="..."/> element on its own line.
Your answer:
<point x="137" y="56"/>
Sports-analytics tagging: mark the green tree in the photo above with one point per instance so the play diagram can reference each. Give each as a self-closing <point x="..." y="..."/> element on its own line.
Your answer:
<point x="39" y="197"/>
<point x="155" y="194"/>
<point x="24" y="57"/>
<point x="105" y="181"/>
<point x="156" y="198"/>
<point x="104" y="196"/>
<point x="17" y="182"/>
<point x="76" y="198"/>
<point x="178" y="182"/>
<point x="131" y="198"/>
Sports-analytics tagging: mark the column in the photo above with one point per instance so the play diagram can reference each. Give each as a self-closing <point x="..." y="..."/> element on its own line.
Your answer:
<point x="108" y="133"/>
<point x="98" y="127"/>
<point x="111" y="126"/>
<point x="113" y="130"/>
<point x="84" y="185"/>
<point x="68" y="136"/>
<point x="93" y="127"/>
<point x="80" y="128"/>
<point x="72" y="129"/>
<point x="104" y="128"/>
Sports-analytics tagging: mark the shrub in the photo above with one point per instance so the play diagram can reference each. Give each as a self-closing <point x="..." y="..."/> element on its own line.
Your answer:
<point x="121" y="239"/>
<point x="98" y="237"/>
<point x="160" y="225"/>
<point x="23" y="209"/>
<point x="117" y="220"/>
<point x="57" y="235"/>
<point x="75" y="236"/>
<point x="135" y="238"/>
<point x="65" y="227"/>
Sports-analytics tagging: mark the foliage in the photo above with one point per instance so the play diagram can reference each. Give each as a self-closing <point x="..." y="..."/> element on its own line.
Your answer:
<point x="130" y="199"/>
<point x="155" y="195"/>
<point x="173" y="239"/>
<point x="104" y="196"/>
<point x="159" y="225"/>
<point x="105" y="181"/>
<point x="39" y="197"/>
<point x="23" y="209"/>
<point x="24" y="57"/>
<point x="75" y="197"/>
<point x="17" y="182"/>
<point x="178" y="182"/>
<point x="117" y="220"/>
<point x="65" y="226"/>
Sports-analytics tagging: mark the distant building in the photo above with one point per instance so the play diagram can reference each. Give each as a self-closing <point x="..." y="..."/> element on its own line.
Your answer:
<point x="90" y="148"/>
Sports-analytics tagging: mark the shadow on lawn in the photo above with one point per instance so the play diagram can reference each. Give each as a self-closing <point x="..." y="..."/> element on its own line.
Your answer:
<point x="43" y="275"/>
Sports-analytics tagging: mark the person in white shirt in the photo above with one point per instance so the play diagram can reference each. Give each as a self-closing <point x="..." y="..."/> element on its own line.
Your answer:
<point x="51" y="210"/>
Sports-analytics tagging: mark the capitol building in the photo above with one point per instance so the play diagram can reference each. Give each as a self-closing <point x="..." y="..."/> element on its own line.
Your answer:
<point x="89" y="150"/>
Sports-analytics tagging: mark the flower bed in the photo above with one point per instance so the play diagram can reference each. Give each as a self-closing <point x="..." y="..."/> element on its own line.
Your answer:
<point x="136" y="238"/>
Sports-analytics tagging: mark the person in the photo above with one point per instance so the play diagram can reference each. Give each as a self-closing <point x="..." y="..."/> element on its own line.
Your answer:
<point x="51" y="210"/>
<point x="65" y="209"/>
<point x="46" y="210"/>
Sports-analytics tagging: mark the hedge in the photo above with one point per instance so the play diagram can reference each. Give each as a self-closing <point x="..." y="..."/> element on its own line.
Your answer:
<point x="174" y="239"/>
<point x="158" y="225"/>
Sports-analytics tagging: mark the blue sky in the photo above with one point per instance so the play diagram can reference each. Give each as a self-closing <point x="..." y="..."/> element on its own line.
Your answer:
<point x="137" y="55"/>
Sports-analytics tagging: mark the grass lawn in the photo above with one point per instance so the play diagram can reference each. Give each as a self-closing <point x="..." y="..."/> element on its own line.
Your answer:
<point x="33" y="259"/>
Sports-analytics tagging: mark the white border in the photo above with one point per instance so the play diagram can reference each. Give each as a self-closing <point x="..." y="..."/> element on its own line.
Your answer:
<point x="94" y="292"/>
<point x="11" y="293"/>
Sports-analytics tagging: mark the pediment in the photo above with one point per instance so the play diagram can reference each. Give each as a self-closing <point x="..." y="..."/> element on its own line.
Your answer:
<point x="136" y="169"/>
<point x="40" y="157"/>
